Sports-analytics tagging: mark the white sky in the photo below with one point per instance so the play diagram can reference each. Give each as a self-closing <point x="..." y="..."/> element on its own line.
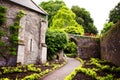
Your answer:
<point x="99" y="9"/>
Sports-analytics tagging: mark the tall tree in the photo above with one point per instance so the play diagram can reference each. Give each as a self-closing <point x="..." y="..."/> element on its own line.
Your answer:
<point x="114" y="15"/>
<point x="83" y="18"/>
<point x="65" y="18"/>
<point x="52" y="7"/>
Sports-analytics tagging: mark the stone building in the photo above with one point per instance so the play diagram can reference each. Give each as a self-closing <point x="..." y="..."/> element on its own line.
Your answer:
<point x="31" y="45"/>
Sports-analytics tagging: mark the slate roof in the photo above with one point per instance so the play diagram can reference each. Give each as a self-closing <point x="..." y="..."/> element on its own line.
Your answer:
<point x="30" y="4"/>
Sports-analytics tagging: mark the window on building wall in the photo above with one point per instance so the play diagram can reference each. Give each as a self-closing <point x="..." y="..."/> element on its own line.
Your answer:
<point x="31" y="44"/>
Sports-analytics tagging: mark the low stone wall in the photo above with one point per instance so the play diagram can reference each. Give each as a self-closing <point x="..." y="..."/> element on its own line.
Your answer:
<point x="88" y="47"/>
<point x="110" y="45"/>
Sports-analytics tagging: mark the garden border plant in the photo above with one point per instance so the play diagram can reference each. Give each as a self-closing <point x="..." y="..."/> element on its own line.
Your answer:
<point x="92" y="72"/>
<point x="37" y="72"/>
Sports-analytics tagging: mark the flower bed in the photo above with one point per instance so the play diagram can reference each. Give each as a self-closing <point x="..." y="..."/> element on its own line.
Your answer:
<point x="95" y="69"/>
<point x="28" y="72"/>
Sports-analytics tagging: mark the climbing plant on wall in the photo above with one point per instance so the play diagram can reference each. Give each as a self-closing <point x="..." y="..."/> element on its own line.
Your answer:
<point x="9" y="35"/>
<point x="3" y="10"/>
<point x="14" y="32"/>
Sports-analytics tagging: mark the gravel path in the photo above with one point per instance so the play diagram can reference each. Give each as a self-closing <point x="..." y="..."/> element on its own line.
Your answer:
<point x="61" y="73"/>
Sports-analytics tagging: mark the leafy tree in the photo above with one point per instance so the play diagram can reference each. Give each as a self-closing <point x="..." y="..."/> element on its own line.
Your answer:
<point x="114" y="15"/>
<point x="107" y="27"/>
<point x="52" y="7"/>
<point x="83" y="18"/>
<point x="66" y="18"/>
<point x="55" y="40"/>
<point x="74" y="30"/>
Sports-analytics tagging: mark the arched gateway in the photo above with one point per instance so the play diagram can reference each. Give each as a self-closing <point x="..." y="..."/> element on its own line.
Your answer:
<point x="87" y="47"/>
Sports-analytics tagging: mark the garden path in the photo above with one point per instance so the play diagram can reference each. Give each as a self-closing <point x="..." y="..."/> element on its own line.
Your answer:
<point x="61" y="73"/>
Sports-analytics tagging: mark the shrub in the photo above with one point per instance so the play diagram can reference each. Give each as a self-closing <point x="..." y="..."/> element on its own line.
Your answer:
<point x="55" y="40"/>
<point x="70" y="47"/>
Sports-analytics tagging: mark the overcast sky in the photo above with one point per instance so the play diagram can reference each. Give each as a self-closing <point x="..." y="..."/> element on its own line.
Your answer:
<point x="99" y="9"/>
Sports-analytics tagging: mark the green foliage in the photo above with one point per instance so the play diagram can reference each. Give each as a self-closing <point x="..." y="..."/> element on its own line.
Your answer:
<point x="47" y="64"/>
<point x="107" y="26"/>
<point x="114" y="15"/>
<point x="3" y="10"/>
<point x="34" y="76"/>
<point x="55" y="40"/>
<point x="74" y="30"/>
<point x="83" y="18"/>
<point x="71" y="55"/>
<point x="63" y="18"/>
<point x="52" y="7"/>
<point x="13" y="53"/>
<point x="32" y="68"/>
<point x="7" y="70"/>
<point x="70" y="47"/>
<point x="108" y="77"/>
<point x="10" y="49"/>
<point x="2" y="33"/>
<point x="66" y="18"/>
<point x="14" y="31"/>
<point x="97" y="62"/>
<point x="20" y="15"/>
<point x="92" y="71"/>
<point x="2" y="43"/>
<point x="4" y="79"/>
<point x="36" y="71"/>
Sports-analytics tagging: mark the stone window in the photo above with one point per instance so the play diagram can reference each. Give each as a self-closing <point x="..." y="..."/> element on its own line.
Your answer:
<point x="31" y="44"/>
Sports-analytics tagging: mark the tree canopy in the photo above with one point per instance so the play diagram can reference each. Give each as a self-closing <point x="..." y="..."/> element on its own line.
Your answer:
<point x="114" y="15"/>
<point x="52" y="7"/>
<point x="83" y="18"/>
<point x="65" y="18"/>
<point x="107" y="27"/>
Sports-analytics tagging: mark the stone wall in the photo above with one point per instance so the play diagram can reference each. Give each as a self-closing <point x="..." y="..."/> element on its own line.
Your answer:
<point x="87" y="47"/>
<point x="31" y="33"/>
<point x="110" y="45"/>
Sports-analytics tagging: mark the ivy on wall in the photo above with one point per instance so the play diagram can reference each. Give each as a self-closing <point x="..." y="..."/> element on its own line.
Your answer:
<point x="3" y="11"/>
<point x="14" y="30"/>
<point x="9" y="47"/>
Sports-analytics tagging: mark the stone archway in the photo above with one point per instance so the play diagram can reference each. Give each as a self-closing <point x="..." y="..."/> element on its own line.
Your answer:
<point x="73" y="39"/>
<point x="87" y="47"/>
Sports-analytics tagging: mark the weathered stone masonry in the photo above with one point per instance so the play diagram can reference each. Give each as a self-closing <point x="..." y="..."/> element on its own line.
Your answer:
<point x="110" y="45"/>
<point x="31" y="48"/>
<point x="87" y="47"/>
